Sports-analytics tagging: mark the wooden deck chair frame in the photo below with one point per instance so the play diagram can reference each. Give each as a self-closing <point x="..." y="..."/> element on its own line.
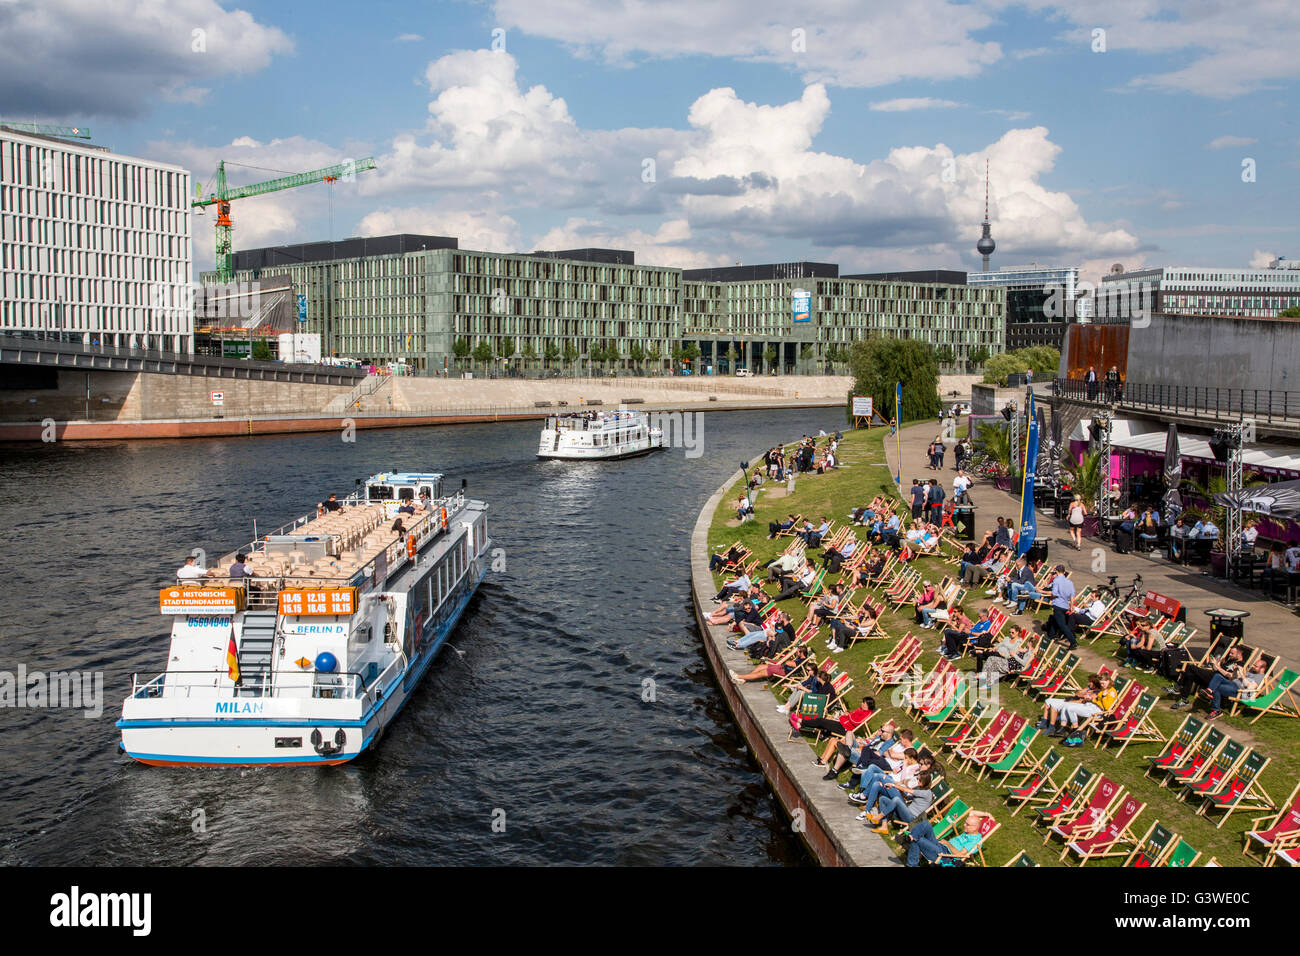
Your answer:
<point x="1182" y="741"/>
<point x="1114" y="838"/>
<point x="1071" y="824"/>
<point x="1286" y="823"/>
<point x="1218" y="770"/>
<point x="1243" y="791"/>
<point x="1153" y="847"/>
<point x="1194" y="763"/>
<point x="1270" y="701"/>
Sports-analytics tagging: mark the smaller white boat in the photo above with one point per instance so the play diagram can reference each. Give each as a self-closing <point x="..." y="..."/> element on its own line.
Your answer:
<point x="599" y="435"/>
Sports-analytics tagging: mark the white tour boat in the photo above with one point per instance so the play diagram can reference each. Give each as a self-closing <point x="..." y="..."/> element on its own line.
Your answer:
<point x="309" y="657"/>
<point x="599" y="435"/>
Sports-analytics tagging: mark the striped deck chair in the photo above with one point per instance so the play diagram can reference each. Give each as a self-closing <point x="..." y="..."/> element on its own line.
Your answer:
<point x="1046" y="657"/>
<point x="897" y="670"/>
<point x="1038" y="788"/>
<point x="815" y="589"/>
<point x="1270" y="833"/>
<point x="1069" y="797"/>
<point x="960" y="713"/>
<point x="1289" y="855"/>
<point x="1020" y="859"/>
<point x="1015" y="755"/>
<point x="1195" y="762"/>
<point x="1183" y="740"/>
<point x="947" y="822"/>
<point x="921" y="695"/>
<point x="1081" y="818"/>
<point x="1152" y="849"/>
<point x="1215" y="773"/>
<point x="1056" y="677"/>
<point x="977" y="743"/>
<point x="1029" y="769"/>
<point x="949" y="703"/>
<point x="1241" y="791"/>
<point x="995" y="750"/>
<point x="841" y="686"/>
<point x="790" y="680"/>
<point x="967" y="727"/>
<point x="1270" y="701"/>
<point x="1109" y="622"/>
<point x="1114" y="838"/>
<point x="1129" y="692"/>
<point x="988" y="826"/>
<point x="1137" y="726"/>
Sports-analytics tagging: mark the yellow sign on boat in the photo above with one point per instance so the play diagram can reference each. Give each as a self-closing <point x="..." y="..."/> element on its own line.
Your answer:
<point x="310" y="602"/>
<point x="200" y="600"/>
<point x="303" y="663"/>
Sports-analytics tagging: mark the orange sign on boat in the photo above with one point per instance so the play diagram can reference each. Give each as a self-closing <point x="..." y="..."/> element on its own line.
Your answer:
<point x="309" y="602"/>
<point x="193" y="600"/>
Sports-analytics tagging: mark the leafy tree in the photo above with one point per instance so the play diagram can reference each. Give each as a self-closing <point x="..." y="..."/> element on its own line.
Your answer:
<point x="655" y="355"/>
<point x="529" y="353"/>
<point x="731" y="357"/>
<point x="769" y="356"/>
<point x="507" y="348"/>
<point x="996" y="442"/>
<point x="261" y="351"/>
<point x="1291" y="313"/>
<point x="878" y="363"/>
<point x="805" y="356"/>
<point x="978" y="356"/>
<point x="596" y="354"/>
<point x="550" y="353"/>
<point x="677" y="353"/>
<point x="945" y="355"/>
<point x="691" y="353"/>
<point x="999" y="367"/>
<point x="571" y="353"/>
<point x="637" y="354"/>
<point x="482" y="352"/>
<point x="461" y="349"/>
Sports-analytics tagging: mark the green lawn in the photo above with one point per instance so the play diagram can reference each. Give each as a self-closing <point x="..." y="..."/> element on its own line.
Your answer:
<point x="865" y="475"/>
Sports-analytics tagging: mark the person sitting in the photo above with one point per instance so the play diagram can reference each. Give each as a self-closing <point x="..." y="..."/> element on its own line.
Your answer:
<point x="863" y="624"/>
<point x="889" y="532"/>
<point x="728" y="612"/>
<point x="829" y="604"/>
<point x="1178" y="532"/>
<point x="817" y="683"/>
<point x="802" y="580"/>
<point x="905" y="804"/>
<point x="768" y="671"/>
<point x="836" y="727"/>
<point x="850" y="750"/>
<point x="240" y="569"/>
<point x="812" y="537"/>
<point x="971" y="556"/>
<point x="920" y="841"/>
<point x="1062" y="714"/>
<point x="1245" y="687"/>
<point x="773" y="527"/>
<point x="755" y="631"/>
<point x="1002" y="536"/>
<point x="833" y="559"/>
<point x="719" y="561"/>
<point x="1228" y="664"/>
<point x="875" y="781"/>
<point x="740" y="584"/>
<point x="1020" y="589"/>
<point x="189" y="570"/>
<point x="991" y="565"/>
<point x="782" y="566"/>
<point x="1205" y="529"/>
<point x="869" y="570"/>
<point x="330" y="504"/>
<point x="1009" y="655"/>
<point x="1148" y="528"/>
<point x="956" y="639"/>
<point x="885" y="755"/>
<point x="744" y="508"/>
<point x="925" y="597"/>
<point x="1141" y="640"/>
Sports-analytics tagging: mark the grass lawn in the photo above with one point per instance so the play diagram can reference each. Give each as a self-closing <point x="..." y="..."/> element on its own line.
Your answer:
<point x="864" y="475"/>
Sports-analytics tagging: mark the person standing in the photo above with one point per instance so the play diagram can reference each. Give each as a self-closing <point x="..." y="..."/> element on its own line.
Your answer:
<point x="1062" y="601"/>
<point x="934" y="500"/>
<point x="1091" y="381"/>
<point x="1077" y="512"/>
<point x="960" y="487"/>
<point x="918" y="498"/>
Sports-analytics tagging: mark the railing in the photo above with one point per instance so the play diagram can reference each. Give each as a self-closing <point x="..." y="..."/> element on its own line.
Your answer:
<point x="350" y="685"/>
<point x="1262" y="404"/>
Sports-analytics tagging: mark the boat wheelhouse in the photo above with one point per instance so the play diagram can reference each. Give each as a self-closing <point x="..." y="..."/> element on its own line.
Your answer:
<point x="599" y="435"/>
<point x="308" y="655"/>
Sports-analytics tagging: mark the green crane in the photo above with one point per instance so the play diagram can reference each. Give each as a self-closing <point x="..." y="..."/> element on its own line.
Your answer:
<point x="224" y="194"/>
<point x="76" y="132"/>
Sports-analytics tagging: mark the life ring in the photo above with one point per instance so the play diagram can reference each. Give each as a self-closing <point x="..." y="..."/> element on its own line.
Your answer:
<point x="410" y="545"/>
<point x="443" y="518"/>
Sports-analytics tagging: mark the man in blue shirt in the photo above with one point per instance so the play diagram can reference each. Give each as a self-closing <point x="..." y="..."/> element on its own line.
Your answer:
<point x="1062" y="599"/>
<point x="934" y="499"/>
<point x="975" y="636"/>
<point x="918" y="498"/>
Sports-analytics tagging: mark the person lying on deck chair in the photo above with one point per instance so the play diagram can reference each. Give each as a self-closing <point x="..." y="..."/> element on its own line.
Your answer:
<point x="1062" y="717"/>
<point x="833" y="559"/>
<point x="853" y="749"/>
<point x="836" y="727"/>
<point x="781" y="567"/>
<point x="843" y="632"/>
<point x="920" y="841"/>
<point x="731" y="611"/>
<point x="1010" y="654"/>
<point x="874" y="780"/>
<point x="817" y="683"/>
<point x="740" y="584"/>
<point x="802" y="580"/>
<point x="768" y="671"/>
<point x="829" y="604"/>
<point x="773" y="527"/>
<point x="776" y="633"/>
<point x="869" y="570"/>
<point x="719" y="561"/>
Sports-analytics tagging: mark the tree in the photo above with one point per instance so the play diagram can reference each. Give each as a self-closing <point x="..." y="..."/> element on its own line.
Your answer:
<point x="571" y="353"/>
<point x="999" y="367"/>
<point x="596" y="354"/>
<point x="529" y="353"/>
<point x="261" y="351"/>
<point x="769" y="356"/>
<point x="1291" y="313"/>
<point x="612" y="354"/>
<point x="482" y="352"/>
<point x="996" y="442"/>
<point x="550" y="353"/>
<point x="655" y="355"/>
<point x="878" y="364"/>
<point x="731" y="357"/>
<point x="945" y="355"/>
<point x="461" y="349"/>
<point x="805" y="356"/>
<point x="978" y="356"/>
<point x="637" y="354"/>
<point x="677" y="353"/>
<point x="507" y="349"/>
<point x="833" y="355"/>
<point x="691" y="353"/>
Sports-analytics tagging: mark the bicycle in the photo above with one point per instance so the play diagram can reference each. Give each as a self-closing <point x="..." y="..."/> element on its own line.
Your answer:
<point x="1111" y="588"/>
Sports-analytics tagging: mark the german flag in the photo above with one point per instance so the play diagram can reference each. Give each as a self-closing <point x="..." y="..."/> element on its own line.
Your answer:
<point x="232" y="660"/>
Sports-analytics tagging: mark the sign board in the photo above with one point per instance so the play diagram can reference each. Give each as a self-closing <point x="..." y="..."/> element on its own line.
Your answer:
<point x="862" y="405"/>
<point x="802" y="303"/>
<point x="309" y="602"/>
<point x="198" y="600"/>
<point x="218" y="398"/>
<point x="302" y="308"/>
<point x="1164" y="605"/>
<point x="302" y="347"/>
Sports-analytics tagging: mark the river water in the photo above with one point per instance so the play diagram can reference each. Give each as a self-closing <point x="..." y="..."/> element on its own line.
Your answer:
<point x="535" y="716"/>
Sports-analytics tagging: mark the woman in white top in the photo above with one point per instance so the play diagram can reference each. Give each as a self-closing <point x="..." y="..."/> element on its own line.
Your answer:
<point x="1077" y="511"/>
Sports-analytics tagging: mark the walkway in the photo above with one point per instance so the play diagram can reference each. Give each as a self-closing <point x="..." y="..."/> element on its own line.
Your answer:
<point x="1270" y="625"/>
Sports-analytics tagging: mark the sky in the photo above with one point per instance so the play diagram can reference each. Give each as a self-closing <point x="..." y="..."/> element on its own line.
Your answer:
<point x="1141" y="132"/>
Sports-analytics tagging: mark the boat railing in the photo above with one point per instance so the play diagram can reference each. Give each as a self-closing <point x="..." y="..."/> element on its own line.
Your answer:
<point x="344" y="685"/>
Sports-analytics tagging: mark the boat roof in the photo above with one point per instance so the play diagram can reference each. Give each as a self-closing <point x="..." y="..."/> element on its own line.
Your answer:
<point x="403" y="477"/>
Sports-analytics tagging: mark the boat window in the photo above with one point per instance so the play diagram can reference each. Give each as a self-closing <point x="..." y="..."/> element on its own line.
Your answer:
<point x="406" y="494"/>
<point x="427" y="491"/>
<point x="379" y="492"/>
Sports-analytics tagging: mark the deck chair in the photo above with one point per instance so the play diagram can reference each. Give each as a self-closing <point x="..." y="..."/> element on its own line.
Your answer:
<point x="988" y="826"/>
<point x="887" y="676"/>
<point x="945" y="825"/>
<point x="967" y="727"/>
<point x="998" y="748"/>
<point x="932" y="691"/>
<point x="1016" y="755"/>
<point x="1196" y="761"/>
<point x="948" y="702"/>
<point x="791" y="531"/>
<point x="1272" y="832"/>
<point x="1152" y="849"/>
<point x="811" y="707"/>
<point x="1137" y="726"/>
<point x="1129" y="691"/>
<point x="1240" y="791"/>
<point x="1115" y="838"/>
<point x="1184" y="739"/>
<point x="1068" y="797"/>
<point x="1182" y="854"/>
<point x="1271" y="701"/>
<point x="990" y="733"/>
<point x="961" y="715"/>
<point x="1290" y="855"/>
<point x="1216" y="773"/>
<point x="1037" y="787"/>
<point x="1020" y="859"/>
<point x="841" y="686"/>
<point x="1084" y="818"/>
<point x="1056" y="678"/>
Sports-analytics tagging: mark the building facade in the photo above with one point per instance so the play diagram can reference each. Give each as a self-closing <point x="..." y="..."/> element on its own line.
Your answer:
<point x="428" y="306"/>
<point x="94" y="246"/>
<point x="1041" y="302"/>
<point x="1185" y="290"/>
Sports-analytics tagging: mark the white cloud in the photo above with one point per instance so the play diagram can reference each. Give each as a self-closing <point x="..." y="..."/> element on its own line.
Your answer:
<point x="1261" y="259"/>
<point x="905" y="104"/>
<point x="86" y="58"/>
<point x="480" y="230"/>
<point x="408" y="38"/>
<point x="1224" y="142"/>
<point x="663" y="247"/>
<point x="840" y="43"/>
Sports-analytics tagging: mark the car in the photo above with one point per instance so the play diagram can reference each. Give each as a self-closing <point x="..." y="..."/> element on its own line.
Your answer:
<point x="744" y="373"/>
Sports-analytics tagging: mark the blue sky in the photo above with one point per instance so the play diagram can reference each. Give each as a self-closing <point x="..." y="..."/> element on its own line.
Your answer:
<point x="854" y="133"/>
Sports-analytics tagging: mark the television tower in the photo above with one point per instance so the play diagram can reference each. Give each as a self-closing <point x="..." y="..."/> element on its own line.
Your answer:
<point x="986" y="245"/>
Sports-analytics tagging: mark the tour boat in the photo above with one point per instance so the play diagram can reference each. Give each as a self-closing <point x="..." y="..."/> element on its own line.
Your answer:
<point x="309" y="657"/>
<point x="599" y="435"/>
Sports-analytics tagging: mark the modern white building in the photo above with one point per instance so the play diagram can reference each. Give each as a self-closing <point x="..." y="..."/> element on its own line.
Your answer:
<point x="1041" y="302"/>
<point x="94" y="246"/>
<point x="1197" y="290"/>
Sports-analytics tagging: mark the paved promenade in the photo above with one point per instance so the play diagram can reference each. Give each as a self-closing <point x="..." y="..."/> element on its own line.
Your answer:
<point x="1271" y="625"/>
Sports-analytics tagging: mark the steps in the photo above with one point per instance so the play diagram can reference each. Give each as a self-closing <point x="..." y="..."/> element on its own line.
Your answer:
<point x="255" y="648"/>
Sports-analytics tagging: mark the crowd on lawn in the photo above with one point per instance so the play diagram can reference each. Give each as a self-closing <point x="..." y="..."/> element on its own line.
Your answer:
<point x="893" y="777"/>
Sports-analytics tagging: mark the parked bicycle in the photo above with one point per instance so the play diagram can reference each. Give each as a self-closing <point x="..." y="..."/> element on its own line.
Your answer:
<point x="1111" y="588"/>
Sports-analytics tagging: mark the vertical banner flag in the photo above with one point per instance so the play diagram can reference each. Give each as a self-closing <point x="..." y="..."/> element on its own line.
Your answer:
<point x="1028" y="519"/>
<point x="801" y="305"/>
<point x="232" y="660"/>
<point x="898" y="428"/>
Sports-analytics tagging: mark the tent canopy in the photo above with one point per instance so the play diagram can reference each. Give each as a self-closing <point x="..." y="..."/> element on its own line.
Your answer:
<point x="1281" y="499"/>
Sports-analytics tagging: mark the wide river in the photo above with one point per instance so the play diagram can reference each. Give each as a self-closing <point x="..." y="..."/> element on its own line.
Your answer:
<point x="535" y="715"/>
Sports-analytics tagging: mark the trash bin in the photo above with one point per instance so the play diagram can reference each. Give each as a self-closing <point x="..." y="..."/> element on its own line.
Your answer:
<point x="963" y="520"/>
<point x="1226" y="622"/>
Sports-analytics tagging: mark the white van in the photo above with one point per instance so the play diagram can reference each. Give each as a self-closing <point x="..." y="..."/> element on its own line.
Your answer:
<point x="744" y="373"/>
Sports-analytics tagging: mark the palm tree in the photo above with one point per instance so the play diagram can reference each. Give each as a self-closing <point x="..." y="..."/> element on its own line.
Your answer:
<point x="997" y="445"/>
<point x="1088" y="477"/>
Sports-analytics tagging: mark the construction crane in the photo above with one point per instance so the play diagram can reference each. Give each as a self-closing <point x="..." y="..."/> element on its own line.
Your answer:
<point x="223" y="196"/>
<point x="75" y="132"/>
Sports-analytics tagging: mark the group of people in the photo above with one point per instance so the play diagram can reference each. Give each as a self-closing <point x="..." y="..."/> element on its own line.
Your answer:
<point x="1114" y="384"/>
